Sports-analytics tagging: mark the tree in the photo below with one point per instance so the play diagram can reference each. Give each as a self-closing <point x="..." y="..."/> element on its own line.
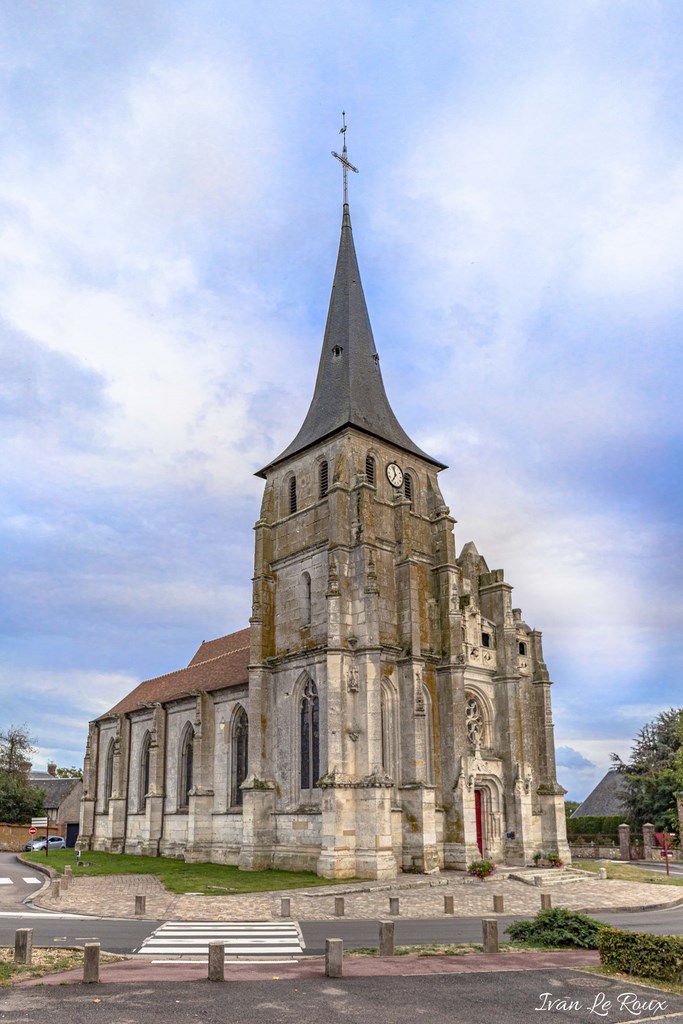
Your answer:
<point x="69" y="773"/>
<point x="19" y="800"/>
<point x="16" y="748"/>
<point x="654" y="774"/>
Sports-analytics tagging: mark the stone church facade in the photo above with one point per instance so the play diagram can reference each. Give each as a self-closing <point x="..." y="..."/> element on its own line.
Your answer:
<point x="387" y="708"/>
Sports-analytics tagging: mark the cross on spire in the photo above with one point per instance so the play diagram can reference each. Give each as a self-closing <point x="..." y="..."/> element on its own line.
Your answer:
<point x="343" y="160"/>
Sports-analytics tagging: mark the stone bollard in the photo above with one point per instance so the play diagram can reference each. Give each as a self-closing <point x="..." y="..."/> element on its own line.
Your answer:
<point x="23" y="945"/>
<point x="140" y="905"/>
<point x="448" y="905"/>
<point x="91" y="963"/>
<point x="546" y="901"/>
<point x="538" y="879"/>
<point x="285" y="907"/>
<point x="386" y="938"/>
<point x="68" y="871"/>
<point x="334" y="958"/>
<point x="64" y="883"/>
<point x="394" y="905"/>
<point x="216" y="961"/>
<point x="498" y="903"/>
<point x="624" y="842"/>
<point x="56" y="888"/>
<point x="490" y="934"/>
<point x="338" y="906"/>
<point x="602" y="872"/>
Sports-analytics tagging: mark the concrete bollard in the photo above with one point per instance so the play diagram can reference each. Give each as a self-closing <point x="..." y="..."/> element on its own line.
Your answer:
<point x="23" y="945"/>
<point x="285" y="907"/>
<point x="448" y="905"/>
<point x="334" y="958"/>
<point x="546" y="901"/>
<point x="140" y="905"/>
<point x="216" y="961"/>
<point x="339" y="906"/>
<point x="490" y="934"/>
<point x="498" y="903"/>
<point x="394" y="905"/>
<point x="386" y="938"/>
<point x="538" y="879"/>
<point x="602" y="872"/>
<point x="56" y="888"/>
<point x="91" y="963"/>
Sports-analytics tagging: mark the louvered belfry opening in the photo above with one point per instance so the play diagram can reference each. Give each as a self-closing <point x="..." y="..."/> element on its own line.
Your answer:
<point x="292" y="495"/>
<point x="323" y="478"/>
<point x="408" y="486"/>
<point x="370" y="469"/>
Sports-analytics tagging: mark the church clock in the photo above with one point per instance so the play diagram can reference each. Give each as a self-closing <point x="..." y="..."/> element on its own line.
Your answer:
<point x="394" y="475"/>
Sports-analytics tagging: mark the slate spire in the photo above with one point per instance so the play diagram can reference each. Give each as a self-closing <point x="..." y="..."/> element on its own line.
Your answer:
<point x="349" y="390"/>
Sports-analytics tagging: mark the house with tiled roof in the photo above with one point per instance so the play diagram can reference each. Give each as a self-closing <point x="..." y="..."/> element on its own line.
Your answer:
<point x="386" y="708"/>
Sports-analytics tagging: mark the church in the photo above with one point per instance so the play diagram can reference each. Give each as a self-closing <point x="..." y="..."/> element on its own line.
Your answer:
<point x="386" y="709"/>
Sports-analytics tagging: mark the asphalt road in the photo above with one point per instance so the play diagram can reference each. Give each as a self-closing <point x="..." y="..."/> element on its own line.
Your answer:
<point x="513" y="998"/>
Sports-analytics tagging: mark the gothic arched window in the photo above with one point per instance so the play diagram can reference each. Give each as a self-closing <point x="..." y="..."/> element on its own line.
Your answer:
<point x="323" y="478"/>
<point x="389" y="727"/>
<point x="186" y="767"/>
<point x="310" y="737"/>
<point x="109" y="774"/>
<point x="144" y="770"/>
<point x="239" y="752"/>
<point x="474" y="722"/>
<point x="428" y="724"/>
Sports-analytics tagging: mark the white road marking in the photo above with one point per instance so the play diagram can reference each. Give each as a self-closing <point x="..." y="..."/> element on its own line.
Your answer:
<point x="241" y="938"/>
<point x="32" y="881"/>
<point x="6" y="881"/>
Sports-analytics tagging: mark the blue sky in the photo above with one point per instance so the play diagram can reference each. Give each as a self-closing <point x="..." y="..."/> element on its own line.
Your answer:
<point x="169" y="218"/>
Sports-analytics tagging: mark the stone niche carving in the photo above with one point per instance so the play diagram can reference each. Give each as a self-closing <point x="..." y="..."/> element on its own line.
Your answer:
<point x="352" y="682"/>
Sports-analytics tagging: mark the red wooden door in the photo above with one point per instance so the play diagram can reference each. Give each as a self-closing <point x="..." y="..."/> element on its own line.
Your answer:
<point x="480" y="831"/>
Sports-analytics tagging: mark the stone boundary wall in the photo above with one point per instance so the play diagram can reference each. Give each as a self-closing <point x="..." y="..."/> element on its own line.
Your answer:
<point x="13" y="837"/>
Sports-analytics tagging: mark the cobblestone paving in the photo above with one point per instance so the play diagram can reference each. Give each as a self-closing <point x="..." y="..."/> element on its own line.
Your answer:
<point x="114" y="896"/>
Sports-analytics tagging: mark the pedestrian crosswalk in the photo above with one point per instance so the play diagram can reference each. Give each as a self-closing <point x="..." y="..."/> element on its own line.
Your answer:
<point x="241" y="938"/>
<point x="32" y="880"/>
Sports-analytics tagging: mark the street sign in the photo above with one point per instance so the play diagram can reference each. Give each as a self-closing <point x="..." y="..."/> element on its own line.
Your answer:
<point x="32" y="831"/>
<point x="39" y="822"/>
<point x="666" y="853"/>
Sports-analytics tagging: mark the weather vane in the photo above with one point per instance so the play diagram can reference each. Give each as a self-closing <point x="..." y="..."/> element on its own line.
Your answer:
<point x="343" y="160"/>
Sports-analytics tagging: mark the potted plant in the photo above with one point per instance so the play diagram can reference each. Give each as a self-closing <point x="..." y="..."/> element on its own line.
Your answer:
<point x="481" y="869"/>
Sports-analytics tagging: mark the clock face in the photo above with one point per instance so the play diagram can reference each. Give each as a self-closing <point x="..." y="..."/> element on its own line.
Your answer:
<point x="394" y="474"/>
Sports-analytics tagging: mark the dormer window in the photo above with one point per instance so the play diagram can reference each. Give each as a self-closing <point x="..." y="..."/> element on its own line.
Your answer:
<point x="292" y="495"/>
<point x="323" y="478"/>
<point x="370" y="469"/>
<point x="337" y="351"/>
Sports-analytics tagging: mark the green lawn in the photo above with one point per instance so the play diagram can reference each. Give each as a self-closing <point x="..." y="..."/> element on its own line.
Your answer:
<point x="628" y="873"/>
<point x="179" y="877"/>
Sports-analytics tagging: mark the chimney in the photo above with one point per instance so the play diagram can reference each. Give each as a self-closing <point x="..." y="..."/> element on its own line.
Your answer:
<point x="52" y="769"/>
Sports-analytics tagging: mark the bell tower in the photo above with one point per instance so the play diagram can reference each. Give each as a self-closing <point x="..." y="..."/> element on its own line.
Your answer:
<point x="363" y="628"/>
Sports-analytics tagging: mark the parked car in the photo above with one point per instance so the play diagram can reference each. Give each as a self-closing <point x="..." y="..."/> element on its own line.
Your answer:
<point x="54" y="843"/>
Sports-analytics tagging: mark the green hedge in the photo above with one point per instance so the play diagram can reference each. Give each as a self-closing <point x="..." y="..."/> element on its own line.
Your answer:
<point x="599" y="824"/>
<point x="642" y="954"/>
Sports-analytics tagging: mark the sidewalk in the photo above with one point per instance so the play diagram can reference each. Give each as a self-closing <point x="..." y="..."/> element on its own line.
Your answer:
<point x="144" y="971"/>
<point x="420" y="897"/>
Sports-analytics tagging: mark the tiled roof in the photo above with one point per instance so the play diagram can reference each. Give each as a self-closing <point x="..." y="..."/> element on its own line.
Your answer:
<point x="56" y="790"/>
<point x="607" y="797"/>
<point x="222" y="645"/>
<point x="217" y="664"/>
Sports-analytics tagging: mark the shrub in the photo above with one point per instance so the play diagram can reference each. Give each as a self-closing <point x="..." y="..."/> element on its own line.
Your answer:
<point x="554" y="860"/>
<point x="587" y="824"/>
<point x="537" y="856"/>
<point x="481" y="868"/>
<point x="558" y="927"/>
<point x="642" y="954"/>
